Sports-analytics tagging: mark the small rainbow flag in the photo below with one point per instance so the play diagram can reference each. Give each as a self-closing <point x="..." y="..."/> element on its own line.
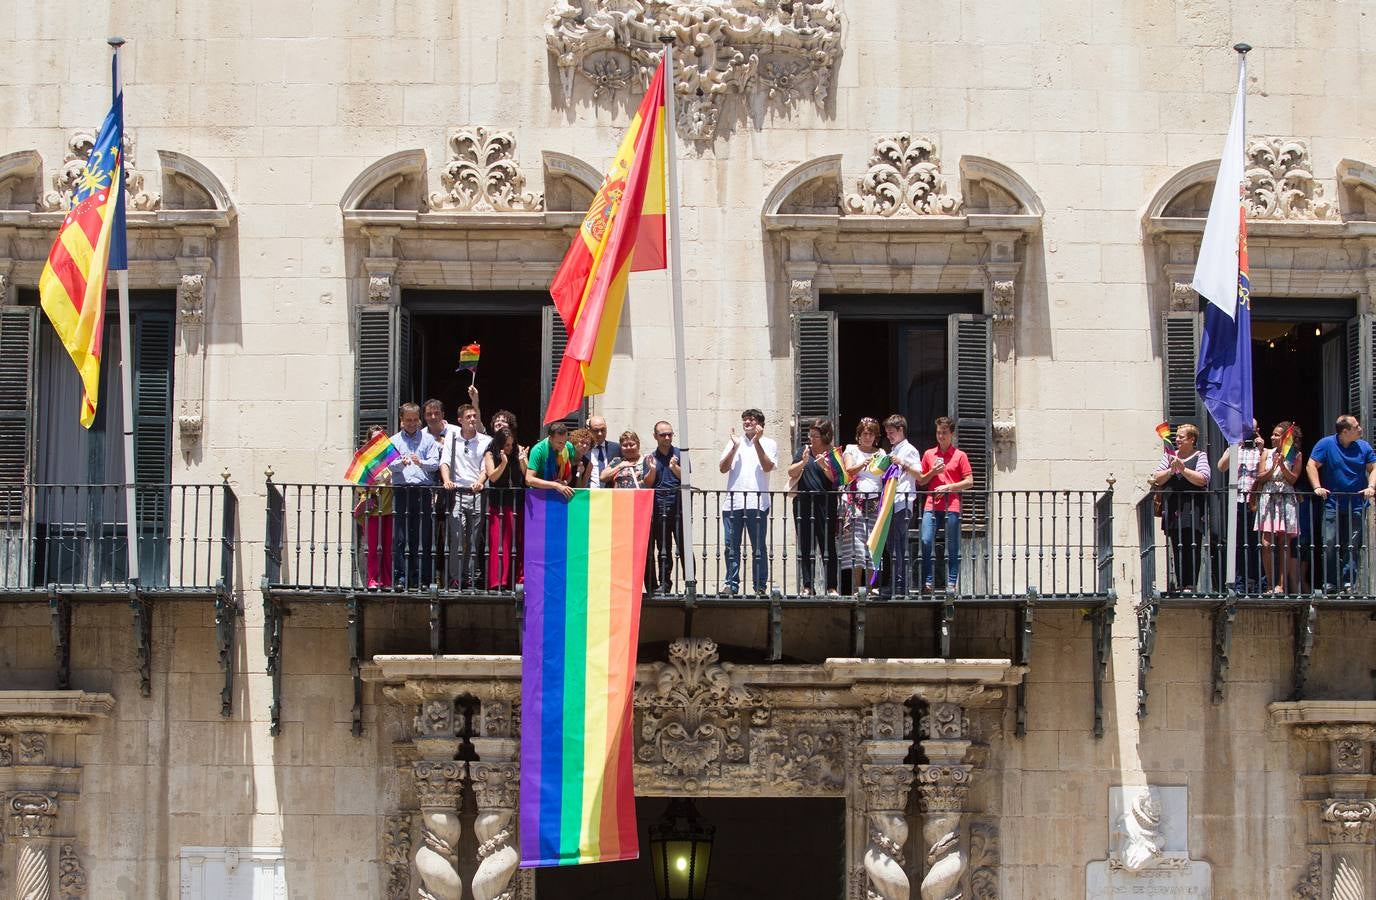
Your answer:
<point x="879" y="534"/>
<point x="838" y="467"/>
<point x="1288" y="449"/>
<point x="1163" y="431"/>
<point x="584" y="564"/>
<point x="468" y="358"/>
<point x="371" y="459"/>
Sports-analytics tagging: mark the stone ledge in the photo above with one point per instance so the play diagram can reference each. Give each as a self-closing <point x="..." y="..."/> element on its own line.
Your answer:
<point x="67" y="712"/>
<point x="1323" y="712"/>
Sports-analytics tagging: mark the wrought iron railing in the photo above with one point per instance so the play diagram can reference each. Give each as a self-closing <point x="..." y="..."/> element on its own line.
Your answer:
<point x="338" y="538"/>
<point x="1292" y="544"/>
<point x="74" y="538"/>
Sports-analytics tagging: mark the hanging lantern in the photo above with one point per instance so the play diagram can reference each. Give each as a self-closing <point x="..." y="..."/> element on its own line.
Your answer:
<point x="680" y="851"/>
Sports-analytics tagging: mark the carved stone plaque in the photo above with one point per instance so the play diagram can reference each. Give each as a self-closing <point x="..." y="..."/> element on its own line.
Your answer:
<point x="1148" y="847"/>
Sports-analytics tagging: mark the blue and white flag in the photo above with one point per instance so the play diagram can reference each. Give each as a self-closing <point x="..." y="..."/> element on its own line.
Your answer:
<point x="1224" y="374"/>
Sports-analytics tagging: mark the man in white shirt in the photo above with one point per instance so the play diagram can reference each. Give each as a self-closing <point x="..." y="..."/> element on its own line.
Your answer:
<point x="602" y="453"/>
<point x="909" y="459"/>
<point x="746" y="462"/>
<point x="412" y="476"/>
<point x="461" y="470"/>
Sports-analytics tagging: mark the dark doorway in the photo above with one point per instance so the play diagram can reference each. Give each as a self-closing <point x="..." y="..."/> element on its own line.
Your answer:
<point x="764" y="848"/>
<point x="887" y="366"/>
<point x="1298" y="375"/>
<point x="508" y="374"/>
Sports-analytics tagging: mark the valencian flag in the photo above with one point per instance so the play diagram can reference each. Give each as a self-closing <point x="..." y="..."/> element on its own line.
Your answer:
<point x="1224" y="374"/>
<point x="89" y="243"/>
<point x="623" y="232"/>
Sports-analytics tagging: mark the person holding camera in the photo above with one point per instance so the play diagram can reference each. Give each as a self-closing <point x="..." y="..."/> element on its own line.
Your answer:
<point x="1246" y="552"/>
<point x="504" y="465"/>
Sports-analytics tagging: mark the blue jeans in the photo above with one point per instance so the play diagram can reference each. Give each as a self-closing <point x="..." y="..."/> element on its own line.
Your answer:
<point x="898" y="552"/>
<point x="930" y="522"/>
<point x="735" y="523"/>
<point x="1342" y="544"/>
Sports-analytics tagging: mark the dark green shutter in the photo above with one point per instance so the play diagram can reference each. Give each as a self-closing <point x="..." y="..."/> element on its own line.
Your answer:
<point x="1360" y="347"/>
<point x="553" y="339"/>
<point x="971" y="404"/>
<point x="153" y="400"/>
<point x="373" y="371"/>
<point x="1180" y="355"/>
<point x="814" y="369"/>
<point x="404" y="377"/>
<point x="18" y="334"/>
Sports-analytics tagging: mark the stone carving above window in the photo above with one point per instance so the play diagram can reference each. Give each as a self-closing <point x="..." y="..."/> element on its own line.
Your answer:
<point x="904" y="178"/>
<point x="481" y="174"/>
<point x="1280" y="182"/>
<point x="79" y="147"/>
<point x="722" y="48"/>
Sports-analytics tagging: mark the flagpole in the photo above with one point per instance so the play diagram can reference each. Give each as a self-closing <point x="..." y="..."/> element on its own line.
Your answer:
<point x="126" y="362"/>
<point x="690" y="583"/>
<point x="1235" y="449"/>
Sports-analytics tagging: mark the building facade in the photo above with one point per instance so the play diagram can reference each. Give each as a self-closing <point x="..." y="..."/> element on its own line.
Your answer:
<point x="976" y="208"/>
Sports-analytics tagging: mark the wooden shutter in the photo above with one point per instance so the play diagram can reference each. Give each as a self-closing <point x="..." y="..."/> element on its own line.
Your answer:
<point x="1361" y="345"/>
<point x="1179" y="356"/>
<point x="970" y="347"/>
<point x="18" y="335"/>
<point x="553" y="339"/>
<point x="373" y="371"/>
<point x="404" y="389"/>
<point x="153" y="333"/>
<point x="814" y="369"/>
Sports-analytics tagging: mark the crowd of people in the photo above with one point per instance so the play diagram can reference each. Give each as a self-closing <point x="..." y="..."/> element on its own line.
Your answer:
<point x="1274" y="550"/>
<point x="449" y="508"/>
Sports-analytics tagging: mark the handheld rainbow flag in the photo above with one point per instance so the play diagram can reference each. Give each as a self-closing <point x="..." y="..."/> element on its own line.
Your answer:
<point x="879" y="534"/>
<point x="372" y="459"/>
<point x="90" y="242"/>
<point x="879" y="464"/>
<point x="623" y="232"/>
<point x="585" y="560"/>
<point x="1288" y="446"/>
<point x="838" y="467"/>
<point x="468" y="358"/>
<point x="1163" y="431"/>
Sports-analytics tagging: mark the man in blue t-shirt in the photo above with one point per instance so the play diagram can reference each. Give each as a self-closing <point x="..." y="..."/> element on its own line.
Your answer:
<point x="666" y="528"/>
<point x="1342" y="470"/>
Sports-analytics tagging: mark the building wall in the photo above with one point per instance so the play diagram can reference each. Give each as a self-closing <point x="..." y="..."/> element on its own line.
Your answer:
<point x="1094" y="104"/>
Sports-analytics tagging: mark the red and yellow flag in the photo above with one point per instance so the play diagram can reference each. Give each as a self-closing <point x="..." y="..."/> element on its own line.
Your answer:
<point x="89" y="242"/>
<point x="623" y="232"/>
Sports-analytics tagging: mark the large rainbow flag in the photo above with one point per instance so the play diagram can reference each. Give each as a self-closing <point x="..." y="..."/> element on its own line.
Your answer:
<point x="622" y="232"/>
<point x="585" y="562"/>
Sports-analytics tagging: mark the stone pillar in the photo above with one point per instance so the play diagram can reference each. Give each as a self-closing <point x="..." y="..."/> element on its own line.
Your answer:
<point x="944" y="787"/>
<point x="886" y="780"/>
<point x="496" y="783"/>
<point x="31" y="817"/>
<point x="439" y="784"/>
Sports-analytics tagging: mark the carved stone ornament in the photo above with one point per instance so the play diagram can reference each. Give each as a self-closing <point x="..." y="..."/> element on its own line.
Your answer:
<point x="71" y="875"/>
<point x="481" y="174"/>
<point x="32" y="813"/>
<point x="495" y="784"/>
<point x="944" y="721"/>
<point x="79" y="147"/>
<point x="1281" y="184"/>
<point x="943" y="789"/>
<point x="693" y="717"/>
<point x="33" y="749"/>
<point x="1004" y="312"/>
<point x="436" y="719"/>
<point x="495" y="788"/>
<point x="379" y="289"/>
<point x="396" y="856"/>
<point x="903" y="179"/>
<point x="438" y="784"/>
<point x="191" y="298"/>
<point x="499" y="718"/>
<point x="785" y="49"/>
<point x="5" y="288"/>
<point x="1005" y="433"/>
<point x="1350" y="821"/>
<point x="801" y="295"/>
<point x="6" y="750"/>
<point x="984" y="861"/>
<point x="190" y="425"/>
<point x="1310" y="886"/>
<point x="1141" y="839"/>
<point x="1183" y="297"/>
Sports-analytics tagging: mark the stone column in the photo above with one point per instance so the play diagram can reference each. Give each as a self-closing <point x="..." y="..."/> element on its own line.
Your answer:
<point x="496" y="783"/>
<point x="886" y="781"/>
<point x="32" y="816"/>
<point x="944" y="787"/>
<point x="439" y="784"/>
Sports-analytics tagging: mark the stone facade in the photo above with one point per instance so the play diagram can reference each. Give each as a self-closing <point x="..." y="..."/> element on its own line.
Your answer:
<point x="296" y="162"/>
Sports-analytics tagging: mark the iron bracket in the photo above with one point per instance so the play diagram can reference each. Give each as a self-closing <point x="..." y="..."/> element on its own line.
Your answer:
<point x="1026" y="613"/>
<point x="436" y="621"/>
<point x="1222" y="645"/>
<point x="225" y="611"/>
<point x="355" y="633"/>
<point x="60" y="607"/>
<point x="1146" y="646"/>
<point x="273" y="621"/>
<point x="143" y="638"/>
<point x="1101" y="620"/>
<point x="776" y="631"/>
<point x="947" y="626"/>
<point x="520" y="593"/>
<point x="858" y="613"/>
<point x="1306" y="622"/>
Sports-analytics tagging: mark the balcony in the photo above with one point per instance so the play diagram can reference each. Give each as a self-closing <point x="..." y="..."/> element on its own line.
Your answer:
<point x="1019" y="550"/>
<point x="1182" y="542"/>
<point x="69" y="544"/>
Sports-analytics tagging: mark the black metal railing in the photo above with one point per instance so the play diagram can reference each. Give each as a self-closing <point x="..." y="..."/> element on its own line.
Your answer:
<point x="340" y="538"/>
<point x="1288" y="544"/>
<point x="75" y="538"/>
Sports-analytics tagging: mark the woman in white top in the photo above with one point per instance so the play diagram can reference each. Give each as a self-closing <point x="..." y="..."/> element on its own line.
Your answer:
<point x="860" y="502"/>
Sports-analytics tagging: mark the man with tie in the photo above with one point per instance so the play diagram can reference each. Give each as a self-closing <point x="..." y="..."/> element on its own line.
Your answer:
<point x="603" y="451"/>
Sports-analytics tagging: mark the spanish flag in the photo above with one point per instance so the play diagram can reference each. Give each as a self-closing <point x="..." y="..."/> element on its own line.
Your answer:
<point x="90" y="241"/>
<point x="623" y="232"/>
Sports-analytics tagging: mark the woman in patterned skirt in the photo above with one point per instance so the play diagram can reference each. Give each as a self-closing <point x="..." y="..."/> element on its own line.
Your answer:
<point x="1277" y="507"/>
<point x="860" y="503"/>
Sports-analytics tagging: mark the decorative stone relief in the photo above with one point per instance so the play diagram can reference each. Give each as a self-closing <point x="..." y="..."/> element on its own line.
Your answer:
<point x="436" y="719"/>
<point x="1141" y="841"/>
<point x="380" y="289"/>
<point x="1183" y="297"/>
<point x="438" y="790"/>
<point x="802" y="295"/>
<point x="1005" y="434"/>
<point x="1004" y="312"/>
<point x="481" y="174"/>
<point x="396" y="855"/>
<point x="1310" y="887"/>
<point x="886" y="788"/>
<point x="1350" y="821"/>
<point x="1280" y="182"/>
<point x="32" y="815"/>
<point x="723" y="47"/>
<point x="942" y="793"/>
<point x="191" y="299"/>
<point x="71" y="875"/>
<point x="984" y="861"/>
<point x="903" y="179"/>
<point x="79" y="147"/>
<point x="4" y="288"/>
<point x="495" y="787"/>
<point x="1149" y="846"/>
<point x="6" y="750"/>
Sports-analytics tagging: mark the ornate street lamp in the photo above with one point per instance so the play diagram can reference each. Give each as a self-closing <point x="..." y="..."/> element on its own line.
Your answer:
<point x="680" y="851"/>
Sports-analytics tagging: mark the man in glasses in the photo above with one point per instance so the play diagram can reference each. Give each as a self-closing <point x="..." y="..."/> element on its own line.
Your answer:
<point x="666" y="526"/>
<point x="603" y="451"/>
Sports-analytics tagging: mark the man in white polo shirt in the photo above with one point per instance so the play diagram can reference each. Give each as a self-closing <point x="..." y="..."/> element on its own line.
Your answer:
<point x="746" y="462"/>
<point x="461" y="469"/>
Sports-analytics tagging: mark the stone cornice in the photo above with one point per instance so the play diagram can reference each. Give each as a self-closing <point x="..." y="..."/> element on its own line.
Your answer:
<point x="53" y="712"/>
<point x="1323" y="712"/>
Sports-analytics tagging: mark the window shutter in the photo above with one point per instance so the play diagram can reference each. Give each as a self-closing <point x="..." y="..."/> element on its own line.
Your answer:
<point x="814" y="369"/>
<point x="373" y="371"/>
<point x="1360" y="348"/>
<point x="1180" y="356"/>
<point x="553" y="339"/>
<point x="153" y="336"/>
<point x="18" y="334"/>
<point x="971" y="404"/>
<point x="405" y="391"/>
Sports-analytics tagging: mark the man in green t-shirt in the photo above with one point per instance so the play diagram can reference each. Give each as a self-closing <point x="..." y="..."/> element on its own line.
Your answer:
<point x="551" y="468"/>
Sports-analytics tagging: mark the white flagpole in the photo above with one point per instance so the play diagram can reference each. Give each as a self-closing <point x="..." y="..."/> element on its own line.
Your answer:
<point x="126" y="367"/>
<point x="1234" y="450"/>
<point x="676" y="291"/>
